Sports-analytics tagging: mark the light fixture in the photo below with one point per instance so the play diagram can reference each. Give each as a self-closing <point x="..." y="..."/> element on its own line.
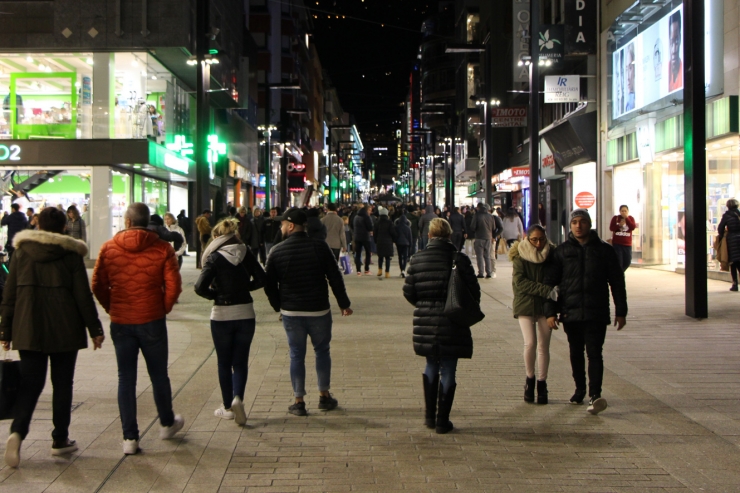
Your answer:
<point x="548" y="62"/>
<point x="89" y="61"/>
<point x="154" y="77"/>
<point x="134" y="63"/>
<point x="42" y="67"/>
<point x="29" y="59"/>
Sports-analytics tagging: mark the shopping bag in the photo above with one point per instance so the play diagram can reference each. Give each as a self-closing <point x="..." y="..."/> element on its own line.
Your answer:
<point x="10" y="382"/>
<point x="345" y="263"/>
<point x="503" y="247"/>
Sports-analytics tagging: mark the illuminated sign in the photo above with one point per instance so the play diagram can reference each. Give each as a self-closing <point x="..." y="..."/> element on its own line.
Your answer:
<point x="176" y="163"/>
<point x="296" y="167"/>
<point x="12" y="153"/>
<point x="181" y="145"/>
<point x="215" y="149"/>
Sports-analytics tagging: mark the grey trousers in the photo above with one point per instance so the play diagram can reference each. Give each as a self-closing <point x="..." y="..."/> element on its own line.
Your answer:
<point x="483" y="254"/>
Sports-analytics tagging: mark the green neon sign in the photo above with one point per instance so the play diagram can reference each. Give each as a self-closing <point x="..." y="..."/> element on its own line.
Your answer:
<point x="215" y="150"/>
<point x="181" y="145"/>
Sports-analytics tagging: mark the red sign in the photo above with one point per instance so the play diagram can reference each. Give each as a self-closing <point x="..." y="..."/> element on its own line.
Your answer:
<point x="585" y="200"/>
<point x="515" y="116"/>
<point x="548" y="161"/>
<point x="521" y="171"/>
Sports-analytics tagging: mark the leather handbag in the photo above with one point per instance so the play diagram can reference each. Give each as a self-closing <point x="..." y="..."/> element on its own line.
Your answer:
<point x="460" y="307"/>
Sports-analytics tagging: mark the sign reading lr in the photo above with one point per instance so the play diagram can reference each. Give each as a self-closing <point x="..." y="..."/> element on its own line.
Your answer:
<point x="580" y="27"/>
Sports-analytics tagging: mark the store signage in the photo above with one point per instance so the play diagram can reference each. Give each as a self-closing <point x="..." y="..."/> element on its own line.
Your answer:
<point x="520" y="23"/>
<point x="645" y="134"/>
<point x="181" y="145"/>
<point x="215" y="150"/>
<point x="585" y="200"/>
<point x="520" y="171"/>
<point x="515" y="116"/>
<point x="562" y="89"/>
<point x="508" y="187"/>
<point x="551" y="37"/>
<point x="262" y="181"/>
<point x="580" y="27"/>
<point x="296" y="167"/>
<point x="176" y="163"/>
<point x="10" y="153"/>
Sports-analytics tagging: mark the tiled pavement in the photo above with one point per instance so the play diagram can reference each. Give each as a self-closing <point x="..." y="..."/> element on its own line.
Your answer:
<point x="672" y="383"/>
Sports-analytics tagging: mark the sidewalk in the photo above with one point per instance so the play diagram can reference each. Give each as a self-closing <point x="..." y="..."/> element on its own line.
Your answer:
<point x="673" y="422"/>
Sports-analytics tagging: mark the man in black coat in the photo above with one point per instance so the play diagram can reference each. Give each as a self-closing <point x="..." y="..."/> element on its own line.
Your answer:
<point x="459" y="233"/>
<point x="296" y="285"/>
<point x="363" y="230"/>
<point x="584" y="268"/>
<point x="16" y="222"/>
<point x="270" y="229"/>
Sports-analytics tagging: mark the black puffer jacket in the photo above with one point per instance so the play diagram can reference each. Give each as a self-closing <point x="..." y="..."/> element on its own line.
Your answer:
<point x="228" y="282"/>
<point x="730" y="226"/>
<point x="583" y="275"/>
<point x="315" y="228"/>
<point x="297" y="271"/>
<point x="362" y="226"/>
<point x="385" y="235"/>
<point x="427" y="277"/>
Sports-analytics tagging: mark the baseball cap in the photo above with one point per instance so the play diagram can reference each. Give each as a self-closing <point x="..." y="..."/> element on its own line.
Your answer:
<point x="295" y="216"/>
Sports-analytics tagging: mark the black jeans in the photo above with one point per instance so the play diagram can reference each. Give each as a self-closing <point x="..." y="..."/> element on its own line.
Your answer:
<point x="591" y="335"/>
<point x="457" y="240"/>
<point x="387" y="263"/>
<point x="624" y="254"/>
<point x="359" y="246"/>
<point x="33" y="378"/>
<point x="232" y="340"/>
<point x="336" y="252"/>
<point x="403" y="256"/>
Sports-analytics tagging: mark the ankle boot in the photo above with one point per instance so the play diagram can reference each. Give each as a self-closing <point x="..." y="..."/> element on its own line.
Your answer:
<point x="529" y="390"/>
<point x="541" y="392"/>
<point x="430" y="401"/>
<point x="444" y="407"/>
<point x="387" y="275"/>
<point x="380" y="272"/>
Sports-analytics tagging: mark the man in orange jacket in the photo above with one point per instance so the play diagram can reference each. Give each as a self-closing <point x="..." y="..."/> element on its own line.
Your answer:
<point x="137" y="281"/>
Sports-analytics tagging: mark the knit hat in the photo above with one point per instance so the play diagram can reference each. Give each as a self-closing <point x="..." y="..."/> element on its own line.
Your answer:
<point x="382" y="211"/>
<point x="580" y="213"/>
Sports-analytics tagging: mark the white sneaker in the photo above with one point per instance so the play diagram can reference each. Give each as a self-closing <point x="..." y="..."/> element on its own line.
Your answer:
<point x="169" y="431"/>
<point x="223" y="413"/>
<point x="596" y="405"/>
<point x="240" y="416"/>
<point x="13" y="450"/>
<point x="130" y="447"/>
<point x="494" y="275"/>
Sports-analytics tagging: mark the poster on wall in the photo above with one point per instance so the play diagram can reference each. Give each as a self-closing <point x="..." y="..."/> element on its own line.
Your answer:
<point x="584" y="189"/>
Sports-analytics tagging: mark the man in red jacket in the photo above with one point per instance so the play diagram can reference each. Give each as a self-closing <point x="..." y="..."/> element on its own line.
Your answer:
<point x="137" y="281"/>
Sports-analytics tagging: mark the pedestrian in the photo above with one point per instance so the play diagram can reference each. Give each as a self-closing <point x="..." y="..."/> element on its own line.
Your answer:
<point x="16" y="222"/>
<point x="137" y="281"/>
<point x="513" y="227"/>
<point x="271" y="229"/>
<point x="542" y="214"/>
<point x="47" y="304"/>
<point x="170" y="223"/>
<point x="621" y="227"/>
<point x="363" y="234"/>
<point x="486" y="228"/>
<point x="404" y="239"/>
<point x="584" y="268"/>
<point x="385" y="235"/>
<point x="203" y="223"/>
<point x="424" y="221"/>
<point x="297" y="273"/>
<point x="75" y="224"/>
<point x="435" y="337"/>
<point x="459" y="233"/>
<point x="336" y="237"/>
<point x="529" y="258"/>
<point x="33" y="223"/>
<point x="29" y="216"/>
<point x="246" y="229"/>
<point x="729" y="229"/>
<point x="413" y="216"/>
<point x="470" y="239"/>
<point x="314" y="227"/>
<point x="184" y="222"/>
<point x="259" y="221"/>
<point x="156" y="224"/>
<point x="230" y="272"/>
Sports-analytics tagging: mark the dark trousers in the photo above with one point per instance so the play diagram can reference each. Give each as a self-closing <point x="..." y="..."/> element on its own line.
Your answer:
<point x="359" y="247"/>
<point x="179" y="261"/>
<point x="624" y="254"/>
<point x="9" y="249"/>
<point x="151" y="339"/>
<point x="232" y="340"/>
<point x="412" y="247"/>
<point x="33" y="379"/>
<point x="403" y="256"/>
<point x="457" y="240"/>
<point x="387" y="263"/>
<point x="336" y="252"/>
<point x="592" y="336"/>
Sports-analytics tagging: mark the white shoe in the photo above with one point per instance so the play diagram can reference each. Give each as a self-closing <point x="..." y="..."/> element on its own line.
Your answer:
<point x="494" y="275"/>
<point x="597" y="405"/>
<point x="237" y="406"/>
<point x="223" y="413"/>
<point x="169" y="431"/>
<point x="130" y="447"/>
<point x="13" y="450"/>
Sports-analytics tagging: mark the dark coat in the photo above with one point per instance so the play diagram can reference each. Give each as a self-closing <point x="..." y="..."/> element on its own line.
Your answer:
<point x="270" y="229"/>
<point x="385" y="235"/>
<point x="583" y="275"/>
<point x="165" y="234"/>
<point x="315" y="228"/>
<point x="526" y="281"/>
<point x="730" y="226"/>
<point x="47" y="302"/>
<point x="16" y="222"/>
<point x="227" y="283"/>
<point x="246" y="229"/>
<point x="414" y="222"/>
<point x="363" y="226"/>
<point x="403" y="230"/>
<point x="457" y="222"/>
<point x="427" y="277"/>
<point x="297" y="271"/>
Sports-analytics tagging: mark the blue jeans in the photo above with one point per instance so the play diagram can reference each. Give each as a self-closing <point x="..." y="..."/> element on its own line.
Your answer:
<point x="446" y="366"/>
<point x="298" y="329"/>
<point x="151" y="338"/>
<point x="232" y="340"/>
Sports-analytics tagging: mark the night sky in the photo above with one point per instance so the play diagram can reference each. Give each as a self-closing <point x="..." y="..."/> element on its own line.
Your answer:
<point x="368" y="52"/>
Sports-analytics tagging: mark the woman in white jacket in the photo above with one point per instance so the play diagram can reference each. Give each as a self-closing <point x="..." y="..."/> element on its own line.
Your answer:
<point x="513" y="228"/>
<point x="171" y="222"/>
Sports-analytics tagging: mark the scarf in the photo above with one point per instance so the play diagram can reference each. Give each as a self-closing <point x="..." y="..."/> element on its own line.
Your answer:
<point x="530" y="253"/>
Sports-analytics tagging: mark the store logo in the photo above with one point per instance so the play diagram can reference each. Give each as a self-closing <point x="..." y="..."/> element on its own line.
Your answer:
<point x="546" y="42"/>
<point x="12" y="153"/>
<point x="562" y="81"/>
<point x="176" y="163"/>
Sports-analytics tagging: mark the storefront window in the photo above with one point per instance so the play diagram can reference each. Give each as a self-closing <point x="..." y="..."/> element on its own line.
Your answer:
<point x="155" y="195"/>
<point x="120" y="199"/>
<point x="628" y="190"/>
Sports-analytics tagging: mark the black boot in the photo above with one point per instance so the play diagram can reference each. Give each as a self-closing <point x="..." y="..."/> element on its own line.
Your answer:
<point x="444" y="424"/>
<point x="529" y="390"/>
<point x="430" y="400"/>
<point x="541" y="392"/>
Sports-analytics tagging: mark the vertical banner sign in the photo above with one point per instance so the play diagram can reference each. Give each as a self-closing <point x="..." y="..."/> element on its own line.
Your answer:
<point x="580" y="27"/>
<point x="521" y="44"/>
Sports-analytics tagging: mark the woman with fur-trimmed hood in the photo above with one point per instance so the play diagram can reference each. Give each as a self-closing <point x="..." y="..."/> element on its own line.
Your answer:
<point x="529" y="257"/>
<point x="46" y="306"/>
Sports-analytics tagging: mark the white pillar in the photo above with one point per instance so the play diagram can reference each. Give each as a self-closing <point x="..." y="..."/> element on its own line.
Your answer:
<point x="104" y="95"/>
<point x="101" y="219"/>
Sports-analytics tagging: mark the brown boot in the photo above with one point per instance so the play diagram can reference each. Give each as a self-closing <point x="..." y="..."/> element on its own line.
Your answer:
<point x="380" y="272"/>
<point x="387" y="275"/>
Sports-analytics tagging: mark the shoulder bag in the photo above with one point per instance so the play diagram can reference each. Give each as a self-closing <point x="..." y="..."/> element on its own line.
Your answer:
<point x="460" y="307"/>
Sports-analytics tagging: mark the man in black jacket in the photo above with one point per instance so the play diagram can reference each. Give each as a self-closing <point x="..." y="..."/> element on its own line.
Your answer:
<point x="15" y="221"/>
<point x="459" y="233"/>
<point x="583" y="268"/>
<point x="297" y="271"/>
<point x="270" y="229"/>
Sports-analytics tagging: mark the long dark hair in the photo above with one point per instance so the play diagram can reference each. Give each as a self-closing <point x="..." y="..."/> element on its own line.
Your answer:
<point x="75" y="213"/>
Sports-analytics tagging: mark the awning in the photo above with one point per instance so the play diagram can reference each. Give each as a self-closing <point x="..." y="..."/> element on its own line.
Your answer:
<point x="573" y="141"/>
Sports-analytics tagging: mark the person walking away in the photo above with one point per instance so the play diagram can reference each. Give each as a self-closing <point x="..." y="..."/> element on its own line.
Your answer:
<point x="424" y="221"/>
<point x="513" y="228"/>
<point x="621" y="227"/>
<point x="184" y="222"/>
<point x="137" y="281"/>
<point x="459" y="233"/>
<point x="156" y="224"/>
<point x="259" y="221"/>
<point x="203" y="223"/>
<point x="435" y="337"/>
<point x="29" y="216"/>
<point x="230" y="272"/>
<point x="404" y="240"/>
<point x="271" y="229"/>
<point x="47" y="304"/>
<point x="529" y="258"/>
<point x="729" y="229"/>
<point x="246" y="230"/>
<point x="470" y="240"/>
<point x="16" y="222"/>
<point x="75" y="224"/>
<point x="347" y="233"/>
<point x="485" y="229"/>
<point x="335" y="235"/>
<point x="171" y="224"/>
<point x="314" y="227"/>
<point x="584" y="268"/>
<point x="296" y="285"/>
<point x="542" y="214"/>
<point x="385" y="235"/>
<point x="413" y="216"/>
<point x="363" y="232"/>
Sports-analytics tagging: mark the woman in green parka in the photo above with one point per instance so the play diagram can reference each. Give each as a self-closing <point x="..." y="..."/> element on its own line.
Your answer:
<point x="529" y="258"/>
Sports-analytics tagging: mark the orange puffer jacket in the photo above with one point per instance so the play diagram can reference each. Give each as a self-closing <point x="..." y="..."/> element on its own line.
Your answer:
<point x="136" y="277"/>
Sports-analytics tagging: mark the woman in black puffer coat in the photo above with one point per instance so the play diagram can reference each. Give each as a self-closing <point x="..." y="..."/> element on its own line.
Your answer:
<point x="435" y="337"/>
<point x="385" y="235"/>
<point x="730" y="226"/>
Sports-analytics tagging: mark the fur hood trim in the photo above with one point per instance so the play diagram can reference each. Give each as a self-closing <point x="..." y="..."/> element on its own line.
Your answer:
<point x="526" y="251"/>
<point x="48" y="238"/>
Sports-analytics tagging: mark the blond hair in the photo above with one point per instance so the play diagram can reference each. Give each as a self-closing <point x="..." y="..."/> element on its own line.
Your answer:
<point x="440" y="228"/>
<point x="225" y="227"/>
<point x="171" y="216"/>
<point x="242" y="209"/>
